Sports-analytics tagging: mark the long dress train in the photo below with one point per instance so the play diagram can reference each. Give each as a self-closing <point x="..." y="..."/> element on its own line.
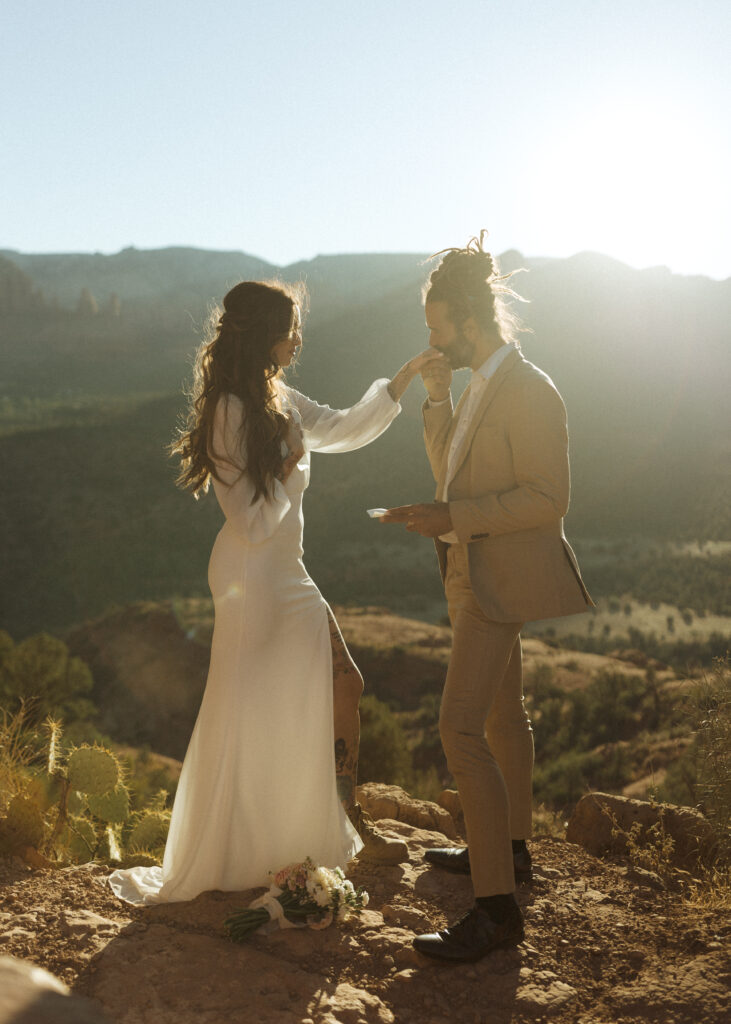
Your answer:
<point x="258" y="789"/>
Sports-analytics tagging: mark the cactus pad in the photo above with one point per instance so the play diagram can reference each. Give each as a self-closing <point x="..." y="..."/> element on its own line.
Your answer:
<point x="141" y="858"/>
<point x="93" y="770"/>
<point x="81" y="839"/>
<point x="112" y="807"/>
<point x="149" y="831"/>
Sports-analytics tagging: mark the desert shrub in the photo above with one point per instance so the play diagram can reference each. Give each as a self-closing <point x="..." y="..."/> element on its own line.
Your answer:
<point x="613" y="707"/>
<point x="426" y="785"/>
<point x="547" y="822"/>
<point x="40" y="673"/>
<point x="148" y="779"/>
<point x="560" y="782"/>
<point x="384" y="755"/>
<point x="681" y="655"/>
<point x="702" y="776"/>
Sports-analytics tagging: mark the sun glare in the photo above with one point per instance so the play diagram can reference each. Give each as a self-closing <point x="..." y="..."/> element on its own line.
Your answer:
<point x="634" y="177"/>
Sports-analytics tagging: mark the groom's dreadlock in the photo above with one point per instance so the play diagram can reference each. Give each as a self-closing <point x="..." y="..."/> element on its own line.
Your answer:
<point x="470" y="282"/>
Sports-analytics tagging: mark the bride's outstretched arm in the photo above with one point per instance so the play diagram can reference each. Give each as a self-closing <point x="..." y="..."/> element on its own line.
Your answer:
<point x="344" y="430"/>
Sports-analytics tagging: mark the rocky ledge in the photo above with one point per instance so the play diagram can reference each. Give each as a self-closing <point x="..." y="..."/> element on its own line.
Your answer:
<point x="603" y="943"/>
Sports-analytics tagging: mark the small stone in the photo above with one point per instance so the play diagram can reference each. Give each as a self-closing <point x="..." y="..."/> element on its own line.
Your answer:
<point x="537" y="1001"/>
<point x="405" y="956"/>
<point x="17" y="934"/>
<point x="649" y="879"/>
<point x="84" y="922"/>
<point x="28" y="992"/>
<point x="546" y="872"/>
<point x="545" y="976"/>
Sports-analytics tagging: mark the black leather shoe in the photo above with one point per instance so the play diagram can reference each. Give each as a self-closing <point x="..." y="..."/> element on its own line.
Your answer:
<point x="473" y="937"/>
<point x="457" y="859"/>
<point x="523" y="867"/>
<point x="451" y="858"/>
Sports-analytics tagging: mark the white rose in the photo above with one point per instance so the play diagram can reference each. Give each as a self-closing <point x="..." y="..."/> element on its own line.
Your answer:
<point x="322" y="898"/>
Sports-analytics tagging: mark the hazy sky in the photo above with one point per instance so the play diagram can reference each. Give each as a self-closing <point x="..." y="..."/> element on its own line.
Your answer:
<point x="289" y="129"/>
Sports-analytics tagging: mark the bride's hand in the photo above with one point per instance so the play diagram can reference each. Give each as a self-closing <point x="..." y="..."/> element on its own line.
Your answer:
<point x="419" y="364"/>
<point x="426" y="359"/>
<point x="436" y="374"/>
<point x="288" y="465"/>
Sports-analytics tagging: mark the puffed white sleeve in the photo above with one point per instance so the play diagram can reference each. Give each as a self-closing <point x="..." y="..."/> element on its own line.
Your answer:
<point x="252" y="522"/>
<point x="344" y="430"/>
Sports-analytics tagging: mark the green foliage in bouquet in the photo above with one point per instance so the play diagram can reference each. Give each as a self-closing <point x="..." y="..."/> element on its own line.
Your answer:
<point x="304" y="894"/>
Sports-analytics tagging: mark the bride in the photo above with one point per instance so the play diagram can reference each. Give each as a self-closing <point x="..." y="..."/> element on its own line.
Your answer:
<point x="258" y="788"/>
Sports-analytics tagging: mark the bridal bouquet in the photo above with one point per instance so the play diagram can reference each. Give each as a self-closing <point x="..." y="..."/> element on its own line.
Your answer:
<point x="300" y="894"/>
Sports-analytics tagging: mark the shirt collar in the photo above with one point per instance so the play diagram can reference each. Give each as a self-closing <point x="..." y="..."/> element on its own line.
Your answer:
<point x="491" y="364"/>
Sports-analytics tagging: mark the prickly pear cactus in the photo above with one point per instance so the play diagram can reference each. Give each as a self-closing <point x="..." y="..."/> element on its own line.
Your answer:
<point x="92" y="770"/>
<point x="149" y="831"/>
<point x="112" y="807"/>
<point x="80" y="839"/>
<point x="141" y="858"/>
<point x="53" y="728"/>
<point x="45" y="790"/>
<point x="108" y="849"/>
<point x="76" y="802"/>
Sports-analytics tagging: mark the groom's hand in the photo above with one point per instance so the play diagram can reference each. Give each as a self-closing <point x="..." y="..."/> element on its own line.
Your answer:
<point x="437" y="376"/>
<point x="430" y="520"/>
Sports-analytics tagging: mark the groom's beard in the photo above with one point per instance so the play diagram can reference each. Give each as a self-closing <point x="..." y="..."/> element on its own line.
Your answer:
<point x="459" y="352"/>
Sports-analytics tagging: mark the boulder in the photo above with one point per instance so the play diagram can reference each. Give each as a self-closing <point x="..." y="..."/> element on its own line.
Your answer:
<point x="450" y="801"/>
<point x="30" y="993"/>
<point x="381" y="801"/>
<point x="601" y="822"/>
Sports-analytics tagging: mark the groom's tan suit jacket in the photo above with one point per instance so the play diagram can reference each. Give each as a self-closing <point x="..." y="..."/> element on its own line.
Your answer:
<point x="509" y="493"/>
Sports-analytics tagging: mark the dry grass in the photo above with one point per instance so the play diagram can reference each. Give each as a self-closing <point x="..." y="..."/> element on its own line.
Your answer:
<point x="17" y="751"/>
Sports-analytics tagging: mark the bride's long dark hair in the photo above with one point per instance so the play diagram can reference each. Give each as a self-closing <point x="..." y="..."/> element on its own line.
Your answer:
<point x="235" y="358"/>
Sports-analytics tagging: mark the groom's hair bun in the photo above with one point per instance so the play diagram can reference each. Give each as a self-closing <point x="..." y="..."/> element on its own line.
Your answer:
<point x="469" y="281"/>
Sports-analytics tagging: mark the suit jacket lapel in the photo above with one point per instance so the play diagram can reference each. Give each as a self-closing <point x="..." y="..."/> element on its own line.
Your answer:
<point x="490" y="391"/>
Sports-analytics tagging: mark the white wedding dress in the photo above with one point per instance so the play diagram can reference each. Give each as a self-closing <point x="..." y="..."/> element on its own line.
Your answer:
<point x="258" y="790"/>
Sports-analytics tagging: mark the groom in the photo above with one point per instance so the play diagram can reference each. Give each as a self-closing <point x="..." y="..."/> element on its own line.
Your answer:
<point x="501" y="465"/>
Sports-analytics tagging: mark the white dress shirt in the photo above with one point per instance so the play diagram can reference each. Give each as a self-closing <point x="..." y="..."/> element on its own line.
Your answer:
<point x="476" y="389"/>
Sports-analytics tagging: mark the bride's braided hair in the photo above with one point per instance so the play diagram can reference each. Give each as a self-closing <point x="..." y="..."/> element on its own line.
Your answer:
<point x="470" y="282"/>
<point x="235" y="358"/>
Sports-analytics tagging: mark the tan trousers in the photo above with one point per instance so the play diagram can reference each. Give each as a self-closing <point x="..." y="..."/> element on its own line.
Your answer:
<point x="486" y="732"/>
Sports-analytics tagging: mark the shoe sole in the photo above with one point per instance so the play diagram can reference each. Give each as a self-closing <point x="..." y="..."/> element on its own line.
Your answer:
<point x="455" y="869"/>
<point x="506" y="944"/>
